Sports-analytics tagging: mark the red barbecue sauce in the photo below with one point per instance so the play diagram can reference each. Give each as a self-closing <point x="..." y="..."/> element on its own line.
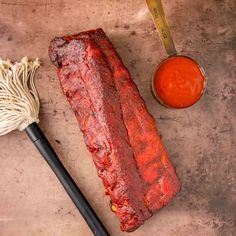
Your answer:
<point x="179" y="82"/>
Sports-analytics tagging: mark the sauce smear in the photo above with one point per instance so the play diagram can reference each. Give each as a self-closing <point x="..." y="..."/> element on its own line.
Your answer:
<point x="179" y="82"/>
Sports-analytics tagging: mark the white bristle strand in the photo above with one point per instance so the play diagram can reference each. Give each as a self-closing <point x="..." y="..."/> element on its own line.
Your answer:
<point x="19" y="101"/>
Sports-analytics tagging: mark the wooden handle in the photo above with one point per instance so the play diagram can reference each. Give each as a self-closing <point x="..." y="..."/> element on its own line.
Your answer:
<point x="159" y="19"/>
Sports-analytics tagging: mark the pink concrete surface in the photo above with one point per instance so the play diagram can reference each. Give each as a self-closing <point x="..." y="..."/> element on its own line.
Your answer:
<point x="200" y="139"/>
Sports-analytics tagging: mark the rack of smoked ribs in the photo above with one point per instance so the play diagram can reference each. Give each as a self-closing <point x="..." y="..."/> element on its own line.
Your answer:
<point x="118" y="130"/>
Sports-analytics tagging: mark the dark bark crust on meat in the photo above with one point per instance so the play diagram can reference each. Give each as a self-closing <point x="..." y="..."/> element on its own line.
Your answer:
<point x="118" y="130"/>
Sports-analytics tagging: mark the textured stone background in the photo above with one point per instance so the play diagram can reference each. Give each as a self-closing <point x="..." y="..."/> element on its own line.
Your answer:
<point x="200" y="140"/>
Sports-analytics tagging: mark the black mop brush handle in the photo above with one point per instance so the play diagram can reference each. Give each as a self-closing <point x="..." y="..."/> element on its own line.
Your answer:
<point x="44" y="147"/>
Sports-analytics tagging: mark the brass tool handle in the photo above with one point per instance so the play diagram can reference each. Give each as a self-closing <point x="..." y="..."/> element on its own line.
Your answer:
<point x="158" y="15"/>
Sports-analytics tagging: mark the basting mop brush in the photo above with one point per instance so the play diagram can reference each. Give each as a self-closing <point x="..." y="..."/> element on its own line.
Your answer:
<point x="19" y="109"/>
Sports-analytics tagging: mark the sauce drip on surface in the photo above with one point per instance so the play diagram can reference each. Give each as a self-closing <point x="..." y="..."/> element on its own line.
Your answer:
<point x="179" y="82"/>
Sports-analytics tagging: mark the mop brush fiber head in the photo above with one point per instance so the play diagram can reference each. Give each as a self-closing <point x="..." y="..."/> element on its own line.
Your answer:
<point x="19" y="101"/>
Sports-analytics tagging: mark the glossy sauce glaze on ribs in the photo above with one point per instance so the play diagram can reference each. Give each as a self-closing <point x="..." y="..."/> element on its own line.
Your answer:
<point x="118" y="130"/>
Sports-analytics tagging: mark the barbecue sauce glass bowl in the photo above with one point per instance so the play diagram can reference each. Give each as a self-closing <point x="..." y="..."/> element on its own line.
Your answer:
<point x="179" y="81"/>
